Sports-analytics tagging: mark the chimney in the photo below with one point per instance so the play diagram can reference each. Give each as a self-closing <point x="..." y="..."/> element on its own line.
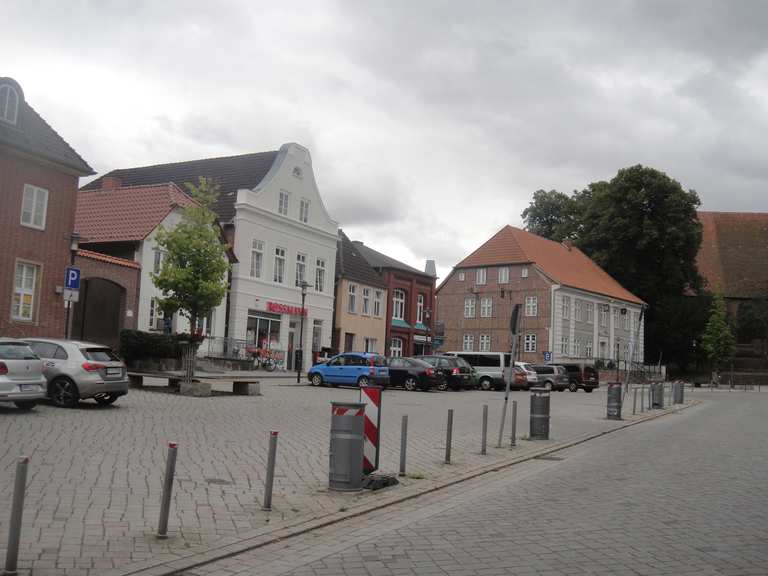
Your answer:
<point x="568" y="244"/>
<point x="430" y="268"/>
<point x="111" y="183"/>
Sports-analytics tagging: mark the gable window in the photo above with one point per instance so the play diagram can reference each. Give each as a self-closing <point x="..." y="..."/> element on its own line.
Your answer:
<point x="320" y="274"/>
<point x="531" y="305"/>
<point x="530" y="343"/>
<point x="304" y="210"/>
<point x="352" y="299"/>
<point x="377" y="298"/>
<point x="282" y="206"/>
<point x="469" y="307"/>
<point x="301" y="268"/>
<point x="396" y="347"/>
<point x="566" y="308"/>
<point x="468" y="343"/>
<point x="524" y="273"/>
<point x="480" y="274"/>
<point x="160" y="257"/>
<point x="420" y="308"/>
<point x="503" y="275"/>
<point x="366" y="302"/>
<point x="486" y="307"/>
<point x="485" y="342"/>
<point x="461" y="276"/>
<point x="398" y="304"/>
<point x="279" y="275"/>
<point x="25" y="291"/>
<point x="589" y="307"/>
<point x="9" y="104"/>
<point x="257" y="258"/>
<point x="34" y="206"/>
<point x="155" y="315"/>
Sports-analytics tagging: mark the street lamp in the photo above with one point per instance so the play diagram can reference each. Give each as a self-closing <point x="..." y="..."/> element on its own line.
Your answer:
<point x="299" y="360"/>
<point x="74" y="246"/>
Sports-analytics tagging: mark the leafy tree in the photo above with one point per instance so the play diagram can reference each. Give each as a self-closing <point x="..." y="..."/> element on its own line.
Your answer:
<point x="193" y="277"/>
<point x="718" y="341"/>
<point x="552" y="215"/>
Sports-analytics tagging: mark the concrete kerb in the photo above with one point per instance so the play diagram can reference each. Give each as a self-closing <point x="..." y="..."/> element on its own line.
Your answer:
<point x="233" y="545"/>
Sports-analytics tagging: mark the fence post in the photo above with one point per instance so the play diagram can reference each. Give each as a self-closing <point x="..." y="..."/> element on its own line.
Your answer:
<point x="17" y="510"/>
<point x="634" y="402"/>
<point x="513" y="439"/>
<point x="270" y="480"/>
<point x="449" y="436"/>
<point x="642" y="398"/>
<point x="165" y="503"/>
<point x="403" y="443"/>
<point x="484" y="441"/>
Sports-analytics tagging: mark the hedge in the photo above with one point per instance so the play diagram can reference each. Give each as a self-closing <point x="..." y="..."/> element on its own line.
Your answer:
<point x="138" y="345"/>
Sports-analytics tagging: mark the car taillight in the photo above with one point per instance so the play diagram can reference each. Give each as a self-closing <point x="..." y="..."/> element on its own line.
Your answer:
<point x="92" y="366"/>
<point x="455" y="371"/>
<point x="430" y="372"/>
<point x="3" y="368"/>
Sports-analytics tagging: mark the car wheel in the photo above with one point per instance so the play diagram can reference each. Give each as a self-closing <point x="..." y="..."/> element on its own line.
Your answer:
<point x="486" y="384"/>
<point x="106" y="399"/>
<point x="362" y="381"/>
<point x="25" y="405"/>
<point x="63" y="393"/>
<point x="316" y="380"/>
<point x="442" y="386"/>
<point x="410" y="384"/>
<point x="573" y="386"/>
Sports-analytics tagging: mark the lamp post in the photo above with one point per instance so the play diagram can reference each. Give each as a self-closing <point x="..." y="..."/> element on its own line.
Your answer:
<point x="74" y="245"/>
<point x="299" y="360"/>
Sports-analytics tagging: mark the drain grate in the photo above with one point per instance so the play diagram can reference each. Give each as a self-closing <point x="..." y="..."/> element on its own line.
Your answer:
<point x="219" y="481"/>
<point x="547" y="457"/>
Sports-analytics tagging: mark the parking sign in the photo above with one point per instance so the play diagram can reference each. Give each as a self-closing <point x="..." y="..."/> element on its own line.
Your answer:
<point x="547" y="356"/>
<point x="72" y="278"/>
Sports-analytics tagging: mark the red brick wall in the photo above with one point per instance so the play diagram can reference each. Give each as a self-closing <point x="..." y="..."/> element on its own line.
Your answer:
<point x="413" y="285"/>
<point x="48" y="248"/>
<point x="128" y="278"/>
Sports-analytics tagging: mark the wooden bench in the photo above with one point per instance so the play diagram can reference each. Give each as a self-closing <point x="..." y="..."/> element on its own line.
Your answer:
<point x="201" y="385"/>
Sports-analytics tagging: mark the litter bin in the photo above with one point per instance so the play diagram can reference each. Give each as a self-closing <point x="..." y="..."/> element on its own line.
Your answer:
<point x="539" y="414"/>
<point x="679" y="392"/>
<point x="657" y="395"/>
<point x="614" y="401"/>
<point x="345" y="469"/>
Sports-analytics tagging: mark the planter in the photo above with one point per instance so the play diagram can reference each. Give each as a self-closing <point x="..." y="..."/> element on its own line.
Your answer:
<point x="196" y="389"/>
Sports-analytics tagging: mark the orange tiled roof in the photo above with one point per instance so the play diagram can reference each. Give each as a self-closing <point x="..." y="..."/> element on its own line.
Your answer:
<point x="125" y="214"/>
<point x="90" y="254"/>
<point x="567" y="266"/>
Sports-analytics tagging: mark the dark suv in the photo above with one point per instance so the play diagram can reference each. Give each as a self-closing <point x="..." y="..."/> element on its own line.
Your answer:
<point x="457" y="373"/>
<point x="581" y="376"/>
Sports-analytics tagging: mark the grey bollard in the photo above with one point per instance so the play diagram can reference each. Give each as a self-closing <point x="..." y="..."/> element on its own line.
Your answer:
<point x="403" y="444"/>
<point x="513" y="438"/>
<point x="17" y="510"/>
<point x="345" y="469"/>
<point x="657" y="395"/>
<point x="642" y="398"/>
<point x="680" y="393"/>
<point x="634" y="402"/>
<point x="614" y="401"/>
<point x="165" y="502"/>
<point x="449" y="436"/>
<point x="484" y="437"/>
<point x="539" y="414"/>
<point x="270" y="481"/>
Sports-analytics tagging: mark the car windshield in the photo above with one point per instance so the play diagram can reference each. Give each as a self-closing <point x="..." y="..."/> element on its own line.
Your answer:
<point x="16" y="351"/>
<point x="418" y="363"/>
<point x="100" y="354"/>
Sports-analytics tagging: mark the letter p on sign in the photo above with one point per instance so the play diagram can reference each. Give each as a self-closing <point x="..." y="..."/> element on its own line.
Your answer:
<point x="72" y="278"/>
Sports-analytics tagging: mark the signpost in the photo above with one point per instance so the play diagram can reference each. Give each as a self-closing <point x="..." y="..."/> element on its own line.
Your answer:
<point x="71" y="290"/>
<point x="547" y="357"/>
<point x="513" y="327"/>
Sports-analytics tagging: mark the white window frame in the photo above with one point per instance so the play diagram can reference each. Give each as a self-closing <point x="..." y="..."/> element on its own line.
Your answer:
<point x="320" y="275"/>
<point x="588" y="348"/>
<point x="503" y="275"/>
<point x="468" y="343"/>
<point x="398" y="304"/>
<point x="279" y="272"/>
<point x="159" y="257"/>
<point x="396" y="347"/>
<point x="366" y="302"/>
<point x="524" y="272"/>
<point x="590" y="312"/>
<point x="461" y="276"/>
<point x="301" y="268"/>
<point x="604" y="314"/>
<point x="257" y="257"/>
<point x="625" y="320"/>
<point x="370" y="345"/>
<point x="566" y="304"/>
<point x="20" y="290"/>
<point x="378" y="297"/>
<point x="469" y="307"/>
<point x="485" y="343"/>
<point x="33" y="194"/>
<point x="531" y="306"/>
<point x="420" y="309"/>
<point x="481" y="275"/>
<point x="10" y="106"/>
<point x="155" y="315"/>
<point x="352" y="298"/>
<point x="304" y="210"/>
<point x="486" y="307"/>
<point x="529" y="342"/>
<point x="282" y="203"/>
<point x="576" y="347"/>
<point x="578" y="313"/>
<point x="564" y="345"/>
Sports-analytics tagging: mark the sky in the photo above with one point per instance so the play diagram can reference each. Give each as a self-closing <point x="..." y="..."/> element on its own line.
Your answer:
<point x="430" y="123"/>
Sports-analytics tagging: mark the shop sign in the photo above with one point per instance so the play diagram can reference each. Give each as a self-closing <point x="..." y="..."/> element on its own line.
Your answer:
<point x="286" y="309"/>
<point x="420" y="338"/>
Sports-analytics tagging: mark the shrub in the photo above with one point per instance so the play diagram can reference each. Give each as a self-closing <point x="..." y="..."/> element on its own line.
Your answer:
<point x="137" y="345"/>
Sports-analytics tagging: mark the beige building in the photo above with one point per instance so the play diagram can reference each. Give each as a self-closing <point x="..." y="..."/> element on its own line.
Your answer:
<point x="360" y="315"/>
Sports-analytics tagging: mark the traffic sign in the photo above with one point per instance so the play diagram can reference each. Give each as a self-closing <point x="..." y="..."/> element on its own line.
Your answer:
<point x="547" y="356"/>
<point x="71" y="295"/>
<point x="72" y="278"/>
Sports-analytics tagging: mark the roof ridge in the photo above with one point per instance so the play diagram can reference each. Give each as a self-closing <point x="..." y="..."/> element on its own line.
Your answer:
<point x="67" y="144"/>
<point x="190" y="161"/>
<point x="102" y="190"/>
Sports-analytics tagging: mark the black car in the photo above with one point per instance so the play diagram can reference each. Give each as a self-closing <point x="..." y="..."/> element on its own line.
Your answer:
<point x="412" y="373"/>
<point x="581" y="376"/>
<point x="456" y="372"/>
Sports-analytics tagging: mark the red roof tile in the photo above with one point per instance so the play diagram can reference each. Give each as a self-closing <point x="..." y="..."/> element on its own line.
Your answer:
<point x="567" y="266"/>
<point x="125" y="214"/>
<point x="108" y="259"/>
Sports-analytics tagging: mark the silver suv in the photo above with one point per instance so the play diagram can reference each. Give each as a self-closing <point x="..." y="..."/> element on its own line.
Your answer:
<point x="21" y="377"/>
<point x="78" y="370"/>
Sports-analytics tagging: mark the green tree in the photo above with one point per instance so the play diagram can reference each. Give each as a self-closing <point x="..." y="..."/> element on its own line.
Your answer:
<point x="552" y="215"/>
<point x="193" y="277"/>
<point x="718" y="341"/>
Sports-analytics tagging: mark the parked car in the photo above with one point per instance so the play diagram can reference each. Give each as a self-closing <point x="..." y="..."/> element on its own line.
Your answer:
<point x="412" y="374"/>
<point x="77" y="370"/>
<point x="551" y="375"/>
<point x="492" y="367"/>
<point x="582" y="376"/>
<point x="456" y="372"/>
<point x="21" y="374"/>
<point x="531" y="376"/>
<point x="350" y="368"/>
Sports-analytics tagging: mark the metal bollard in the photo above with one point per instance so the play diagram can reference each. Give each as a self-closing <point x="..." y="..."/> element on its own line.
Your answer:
<point x="17" y="509"/>
<point x="642" y="399"/>
<point x="484" y="440"/>
<point x="613" y="410"/>
<point x="449" y="436"/>
<point x="539" y="420"/>
<point x="269" y="482"/>
<point x="513" y="439"/>
<point x="634" y="402"/>
<point x="165" y="503"/>
<point x="403" y="443"/>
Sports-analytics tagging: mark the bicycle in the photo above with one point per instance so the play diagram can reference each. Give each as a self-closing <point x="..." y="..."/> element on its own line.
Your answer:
<point x="263" y="359"/>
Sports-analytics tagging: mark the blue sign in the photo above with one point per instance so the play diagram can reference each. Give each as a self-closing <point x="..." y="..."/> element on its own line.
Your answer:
<point x="547" y="356"/>
<point x="72" y="278"/>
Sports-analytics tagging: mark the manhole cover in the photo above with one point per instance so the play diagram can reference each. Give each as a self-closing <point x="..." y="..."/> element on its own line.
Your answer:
<point x="546" y="457"/>
<point x="218" y="481"/>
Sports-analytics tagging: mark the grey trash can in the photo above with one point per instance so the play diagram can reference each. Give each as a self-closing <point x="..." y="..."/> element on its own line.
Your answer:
<point x="657" y="395"/>
<point x="614" y="401"/>
<point x="345" y="468"/>
<point x="539" y="414"/>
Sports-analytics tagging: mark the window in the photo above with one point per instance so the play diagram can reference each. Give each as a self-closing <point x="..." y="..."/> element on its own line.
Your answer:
<point x="524" y="274"/>
<point x="160" y="257"/>
<point x="279" y="274"/>
<point x="603" y="315"/>
<point x="625" y="319"/>
<point x="461" y="276"/>
<point x="577" y="310"/>
<point x="377" y="298"/>
<point x="530" y="343"/>
<point x="531" y="305"/>
<point x="589" y="308"/>
<point x="155" y="315"/>
<point x="566" y="307"/>
<point x="24" y="291"/>
<point x="351" y="300"/>
<point x="366" y="301"/>
<point x="469" y="307"/>
<point x="564" y="345"/>
<point x="486" y="307"/>
<point x="9" y="104"/>
<point x="503" y="275"/>
<point x="317" y="334"/>
<point x="420" y="308"/>
<point x="588" y="349"/>
<point x="485" y="342"/>
<point x="349" y="345"/>
<point x="34" y="206"/>
<point x="370" y="344"/>
<point x="301" y="268"/>
<point x="257" y="257"/>
<point x="304" y="210"/>
<point x="577" y="348"/>
<point x="635" y="321"/>
<point x="320" y="275"/>
<point x="468" y="343"/>
<point x="396" y="347"/>
<point x="480" y="276"/>
<point x="282" y="206"/>
<point x="398" y="304"/>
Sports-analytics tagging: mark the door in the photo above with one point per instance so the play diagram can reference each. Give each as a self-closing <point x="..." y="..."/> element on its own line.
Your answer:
<point x="333" y="370"/>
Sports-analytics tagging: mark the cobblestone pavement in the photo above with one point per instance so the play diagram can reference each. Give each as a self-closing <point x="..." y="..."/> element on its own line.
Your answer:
<point x="681" y="495"/>
<point x="95" y="473"/>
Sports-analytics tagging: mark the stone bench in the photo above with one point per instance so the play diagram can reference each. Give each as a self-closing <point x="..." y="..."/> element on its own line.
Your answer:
<point x="200" y="386"/>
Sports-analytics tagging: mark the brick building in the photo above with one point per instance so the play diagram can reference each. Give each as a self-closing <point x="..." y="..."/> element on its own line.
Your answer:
<point x="571" y="307"/>
<point x="39" y="175"/>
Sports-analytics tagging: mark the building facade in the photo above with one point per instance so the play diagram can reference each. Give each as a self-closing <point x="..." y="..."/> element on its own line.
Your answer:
<point x="39" y="175"/>
<point x="570" y="308"/>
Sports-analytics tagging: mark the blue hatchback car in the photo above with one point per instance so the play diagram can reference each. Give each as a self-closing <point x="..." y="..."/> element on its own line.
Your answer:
<point x="350" y="368"/>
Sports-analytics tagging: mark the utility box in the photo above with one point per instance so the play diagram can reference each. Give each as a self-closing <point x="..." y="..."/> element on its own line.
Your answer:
<point x="539" y="414"/>
<point x="345" y="468"/>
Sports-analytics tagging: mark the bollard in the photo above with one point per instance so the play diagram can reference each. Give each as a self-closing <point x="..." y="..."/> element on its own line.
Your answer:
<point x="17" y="509"/>
<point x="513" y="439"/>
<point x="269" y="482"/>
<point x="634" y="402"/>
<point x="642" y="399"/>
<point x="449" y="436"/>
<point x="345" y="455"/>
<point x="484" y="441"/>
<point x="539" y="421"/>
<point x="165" y="503"/>
<point x="680" y="393"/>
<point x="403" y="443"/>
<point x="614" y="401"/>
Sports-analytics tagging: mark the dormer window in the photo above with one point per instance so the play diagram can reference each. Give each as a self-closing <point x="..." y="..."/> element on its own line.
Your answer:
<point x="9" y="104"/>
